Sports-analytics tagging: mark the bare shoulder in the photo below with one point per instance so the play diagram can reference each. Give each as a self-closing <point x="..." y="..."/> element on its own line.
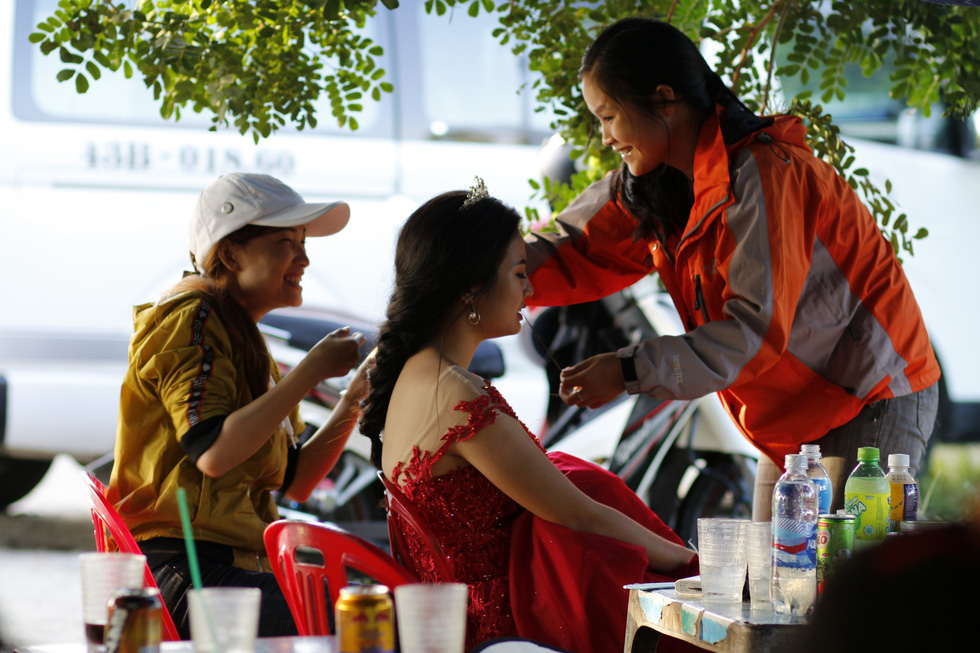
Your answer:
<point x="424" y="407"/>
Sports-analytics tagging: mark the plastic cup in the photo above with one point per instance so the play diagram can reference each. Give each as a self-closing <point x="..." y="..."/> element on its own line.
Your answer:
<point x="224" y="619"/>
<point x="102" y="575"/>
<point x="723" y="561"/>
<point x="758" y="544"/>
<point x="431" y="617"/>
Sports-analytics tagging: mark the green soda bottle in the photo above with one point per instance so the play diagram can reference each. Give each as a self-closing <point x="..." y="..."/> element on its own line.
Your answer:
<point x="866" y="496"/>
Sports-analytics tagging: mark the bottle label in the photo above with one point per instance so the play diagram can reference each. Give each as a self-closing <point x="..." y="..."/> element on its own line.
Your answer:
<point x="794" y="544"/>
<point x="871" y="511"/>
<point x="903" y="504"/>
<point x="825" y="494"/>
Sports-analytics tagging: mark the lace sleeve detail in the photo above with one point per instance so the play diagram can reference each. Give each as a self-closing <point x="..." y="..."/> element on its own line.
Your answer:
<point x="481" y="412"/>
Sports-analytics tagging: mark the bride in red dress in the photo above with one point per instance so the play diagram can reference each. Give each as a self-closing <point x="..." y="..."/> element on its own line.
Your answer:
<point x="544" y="541"/>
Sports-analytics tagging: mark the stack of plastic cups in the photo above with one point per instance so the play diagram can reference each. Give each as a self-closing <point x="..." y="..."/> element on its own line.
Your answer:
<point x="759" y="558"/>
<point x="722" y="558"/>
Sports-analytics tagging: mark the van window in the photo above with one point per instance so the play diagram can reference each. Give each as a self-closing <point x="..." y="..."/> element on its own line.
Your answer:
<point x="463" y="99"/>
<point x="869" y="113"/>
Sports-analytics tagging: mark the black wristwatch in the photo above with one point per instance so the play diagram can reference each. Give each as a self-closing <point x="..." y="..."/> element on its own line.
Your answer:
<point x="628" y="366"/>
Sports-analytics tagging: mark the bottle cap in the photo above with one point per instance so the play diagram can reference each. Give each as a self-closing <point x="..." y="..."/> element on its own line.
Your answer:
<point x="898" y="460"/>
<point x="810" y="451"/>
<point x="868" y="454"/>
<point x="795" y="460"/>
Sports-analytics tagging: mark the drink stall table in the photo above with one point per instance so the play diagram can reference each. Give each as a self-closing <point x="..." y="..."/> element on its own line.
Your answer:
<point x="655" y="609"/>
<point x="262" y="645"/>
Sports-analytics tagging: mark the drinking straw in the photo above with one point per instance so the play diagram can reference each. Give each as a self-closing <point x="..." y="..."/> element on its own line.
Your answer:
<point x="185" y="520"/>
<point x="185" y="523"/>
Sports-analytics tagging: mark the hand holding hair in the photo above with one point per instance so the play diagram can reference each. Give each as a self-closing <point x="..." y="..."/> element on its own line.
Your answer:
<point x="337" y="353"/>
<point x="592" y="383"/>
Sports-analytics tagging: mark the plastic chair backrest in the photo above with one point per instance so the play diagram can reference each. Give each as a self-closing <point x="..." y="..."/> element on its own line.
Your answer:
<point x="108" y="524"/>
<point x="402" y="513"/>
<point x="310" y="561"/>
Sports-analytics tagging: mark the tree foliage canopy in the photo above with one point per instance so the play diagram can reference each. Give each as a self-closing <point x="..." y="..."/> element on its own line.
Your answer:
<point x="260" y="65"/>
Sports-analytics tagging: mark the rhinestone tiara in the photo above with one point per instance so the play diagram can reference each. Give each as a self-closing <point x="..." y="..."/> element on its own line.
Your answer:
<point x="477" y="192"/>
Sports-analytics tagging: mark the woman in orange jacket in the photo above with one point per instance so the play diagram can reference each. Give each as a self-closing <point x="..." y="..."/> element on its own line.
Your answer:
<point x="798" y="312"/>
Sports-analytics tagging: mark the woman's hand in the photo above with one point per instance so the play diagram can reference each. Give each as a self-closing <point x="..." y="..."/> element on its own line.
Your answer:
<point x="337" y="353"/>
<point x="592" y="383"/>
<point x="360" y="385"/>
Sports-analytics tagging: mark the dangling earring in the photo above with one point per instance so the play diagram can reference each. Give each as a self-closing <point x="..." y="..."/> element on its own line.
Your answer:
<point x="474" y="317"/>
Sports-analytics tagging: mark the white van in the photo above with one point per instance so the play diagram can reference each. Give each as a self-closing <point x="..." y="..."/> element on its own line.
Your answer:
<point x="96" y="193"/>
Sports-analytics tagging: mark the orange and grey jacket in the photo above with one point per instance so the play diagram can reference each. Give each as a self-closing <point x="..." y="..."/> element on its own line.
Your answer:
<point x="797" y="309"/>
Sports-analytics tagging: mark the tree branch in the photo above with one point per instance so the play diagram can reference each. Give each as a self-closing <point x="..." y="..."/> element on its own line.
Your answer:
<point x="752" y="39"/>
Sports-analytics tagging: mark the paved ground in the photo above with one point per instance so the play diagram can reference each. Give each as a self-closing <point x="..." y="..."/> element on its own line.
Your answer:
<point x="40" y="539"/>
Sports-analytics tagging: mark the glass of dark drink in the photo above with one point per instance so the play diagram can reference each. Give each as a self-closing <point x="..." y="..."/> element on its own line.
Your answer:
<point x="102" y="575"/>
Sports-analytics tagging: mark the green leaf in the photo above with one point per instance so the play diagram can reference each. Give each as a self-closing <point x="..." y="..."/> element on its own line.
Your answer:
<point x="93" y="70"/>
<point x="81" y="83"/>
<point x="69" y="57"/>
<point x="65" y="74"/>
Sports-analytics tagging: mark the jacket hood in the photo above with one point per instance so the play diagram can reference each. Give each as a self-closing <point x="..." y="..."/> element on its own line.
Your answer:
<point x="146" y="317"/>
<point x="723" y="135"/>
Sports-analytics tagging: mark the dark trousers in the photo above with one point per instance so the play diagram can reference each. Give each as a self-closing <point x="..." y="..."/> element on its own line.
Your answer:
<point x="174" y="579"/>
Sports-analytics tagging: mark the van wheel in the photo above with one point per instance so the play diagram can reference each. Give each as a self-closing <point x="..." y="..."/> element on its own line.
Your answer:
<point x="724" y="488"/>
<point x="18" y="477"/>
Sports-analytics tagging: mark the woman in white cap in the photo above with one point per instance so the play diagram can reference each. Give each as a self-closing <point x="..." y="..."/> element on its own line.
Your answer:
<point x="203" y="407"/>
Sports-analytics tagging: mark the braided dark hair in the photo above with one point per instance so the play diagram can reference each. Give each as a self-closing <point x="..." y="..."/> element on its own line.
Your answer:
<point x="627" y="62"/>
<point x="444" y="253"/>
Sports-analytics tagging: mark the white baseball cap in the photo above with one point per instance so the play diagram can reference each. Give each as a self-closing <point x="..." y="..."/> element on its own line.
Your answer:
<point x="241" y="198"/>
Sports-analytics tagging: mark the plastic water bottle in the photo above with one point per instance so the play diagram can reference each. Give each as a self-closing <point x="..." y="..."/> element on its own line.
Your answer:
<point x="818" y="474"/>
<point x="903" y="502"/>
<point x="794" y="539"/>
<point x="866" y="496"/>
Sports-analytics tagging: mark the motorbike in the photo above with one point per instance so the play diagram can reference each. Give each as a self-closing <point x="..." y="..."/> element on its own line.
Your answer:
<point x="685" y="459"/>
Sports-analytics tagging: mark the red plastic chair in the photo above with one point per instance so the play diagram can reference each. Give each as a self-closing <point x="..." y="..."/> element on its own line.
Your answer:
<point x="402" y="513"/>
<point x="310" y="561"/>
<point x="110" y="526"/>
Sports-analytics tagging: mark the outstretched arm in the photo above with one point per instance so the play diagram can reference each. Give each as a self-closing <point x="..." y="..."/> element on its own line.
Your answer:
<point x="591" y="254"/>
<point x="508" y="457"/>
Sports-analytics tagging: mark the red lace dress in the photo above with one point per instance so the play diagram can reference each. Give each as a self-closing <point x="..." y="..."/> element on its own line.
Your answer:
<point x="528" y="576"/>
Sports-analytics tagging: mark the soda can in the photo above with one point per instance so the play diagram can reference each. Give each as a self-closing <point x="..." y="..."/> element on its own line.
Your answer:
<point x="135" y="622"/>
<point x="835" y="543"/>
<point x="365" y="619"/>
